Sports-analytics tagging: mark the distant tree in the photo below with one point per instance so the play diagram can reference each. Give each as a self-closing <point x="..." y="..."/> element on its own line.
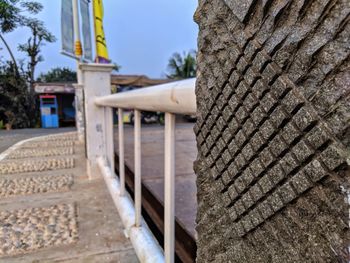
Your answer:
<point x="58" y="75"/>
<point x="116" y="67"/>
<point x="16" y="106"/>
<point x="11" y="16"/>
<point x="182" y="67"/>
<point x="40" y="36"/>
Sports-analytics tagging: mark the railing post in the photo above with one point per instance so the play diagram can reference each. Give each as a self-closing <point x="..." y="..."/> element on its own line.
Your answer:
<point x="109" y="137"/>
<point x="137" y="183"/>
<point x="121" y="151"/>
<point x="169" y="188"/>
<point x="97" y="82"/>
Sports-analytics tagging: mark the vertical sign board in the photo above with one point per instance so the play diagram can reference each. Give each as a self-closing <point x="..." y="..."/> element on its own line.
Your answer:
<point x="101" y="45"/>
<point x="86" y="28"/>
<point x="67" y="30"/>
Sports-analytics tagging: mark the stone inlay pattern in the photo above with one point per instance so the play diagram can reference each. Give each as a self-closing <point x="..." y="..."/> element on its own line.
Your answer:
<point x="264" y="143"/>
<point x="267" y="145"/>
<point x="45" y="144"/>
<point x="68" y="136"/>
<point x="26" y="166"/>
<point x="35" y="185"/>
<point x="40" y="152"/>
<point x="35" y="228"/>
<point x="272" y="130"/>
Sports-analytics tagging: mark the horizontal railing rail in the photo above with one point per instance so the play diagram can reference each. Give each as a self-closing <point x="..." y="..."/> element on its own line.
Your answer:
<point x="172" y="98"/>
<point x="175" y="97"/>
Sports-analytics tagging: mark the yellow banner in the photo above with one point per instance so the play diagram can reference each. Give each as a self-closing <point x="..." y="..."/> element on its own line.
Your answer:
<point x="101" y="45"/>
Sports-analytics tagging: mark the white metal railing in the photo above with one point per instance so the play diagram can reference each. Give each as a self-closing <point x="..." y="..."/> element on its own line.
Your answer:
<point x="171" y="98"/>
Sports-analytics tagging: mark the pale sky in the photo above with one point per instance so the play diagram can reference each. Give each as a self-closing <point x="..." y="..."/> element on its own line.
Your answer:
<point x="141" y="34"/>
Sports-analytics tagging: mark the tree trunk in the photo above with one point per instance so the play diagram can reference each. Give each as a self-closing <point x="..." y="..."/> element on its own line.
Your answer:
<point x="32" y="72"/>
<point x="11" y="55"/>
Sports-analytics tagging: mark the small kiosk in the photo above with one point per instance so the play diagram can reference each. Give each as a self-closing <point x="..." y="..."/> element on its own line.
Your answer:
<point x="49" y="111"/>
<point x="62" y="100"/>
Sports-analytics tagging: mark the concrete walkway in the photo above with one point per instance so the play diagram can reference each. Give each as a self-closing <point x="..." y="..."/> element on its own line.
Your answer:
<point x="51" y="212"/>
<point x="9" y="138"/>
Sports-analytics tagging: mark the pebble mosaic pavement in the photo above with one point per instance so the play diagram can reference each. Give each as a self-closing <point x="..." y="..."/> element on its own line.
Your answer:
<point x="29" y="229"/>
<point x="30" y="153"/>
<point x="34" y="228"/>
<point x="35" y="184"/>
<point x="12" y="167"/>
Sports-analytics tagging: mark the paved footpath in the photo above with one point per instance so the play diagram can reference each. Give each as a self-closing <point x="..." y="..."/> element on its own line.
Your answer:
<point x="51" y="212"/>
<point x="9" y="138"/>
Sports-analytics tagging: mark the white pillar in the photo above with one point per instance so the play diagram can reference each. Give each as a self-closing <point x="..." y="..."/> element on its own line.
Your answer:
<point x="79" y="111"/>
<point x="97" y="82"/>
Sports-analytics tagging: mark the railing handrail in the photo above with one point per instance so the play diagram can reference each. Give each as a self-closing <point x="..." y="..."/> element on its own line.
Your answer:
<point x="175" y="97"/>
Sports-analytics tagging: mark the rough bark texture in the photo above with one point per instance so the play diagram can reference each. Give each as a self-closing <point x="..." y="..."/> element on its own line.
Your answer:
<point x="273" y="131"/>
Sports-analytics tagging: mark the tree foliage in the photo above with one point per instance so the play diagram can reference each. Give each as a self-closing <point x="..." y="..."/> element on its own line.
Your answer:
<point x="16" y="105"/>
<point x="58" y="75"/>
<point x="11" y="17"/>
<point x="32" y="48"/>
<point x="182" y="67"/>
<point x="12" y="13"/>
